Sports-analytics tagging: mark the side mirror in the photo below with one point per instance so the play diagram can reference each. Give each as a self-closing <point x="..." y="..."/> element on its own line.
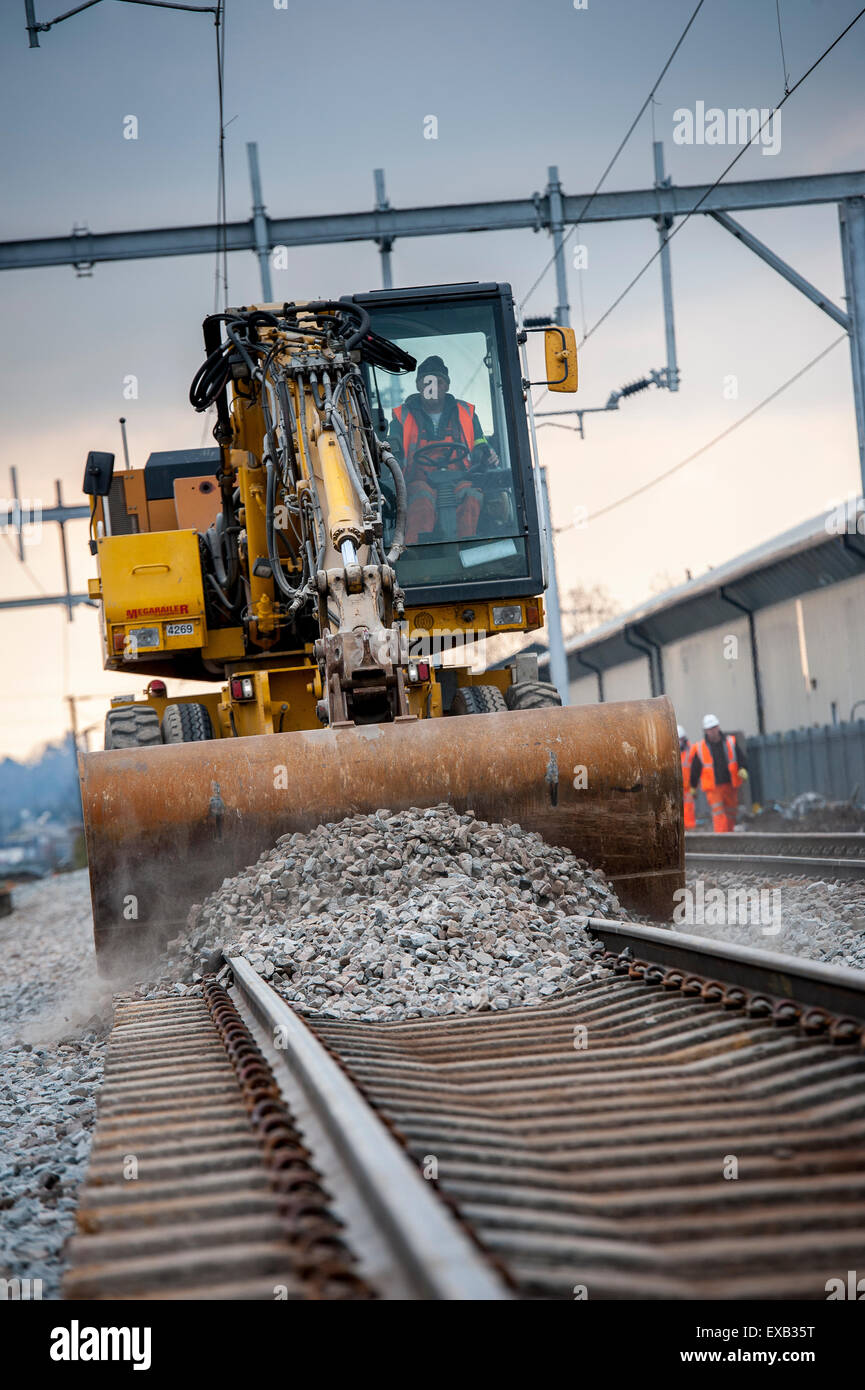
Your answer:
<point x="98" y="473"/>
<point x="560" y="354"/>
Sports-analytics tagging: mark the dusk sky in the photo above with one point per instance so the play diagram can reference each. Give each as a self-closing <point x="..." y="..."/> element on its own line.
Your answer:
<point x="332" y="90"/>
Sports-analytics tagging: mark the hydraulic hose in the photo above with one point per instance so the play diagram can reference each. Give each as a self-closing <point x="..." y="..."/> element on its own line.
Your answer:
<point x="213" y="537"/>
<point x="345" y="308"/>
<point x="398" y="543"/>
<point x="279" y="578"/>
<point x="222" y="597"/>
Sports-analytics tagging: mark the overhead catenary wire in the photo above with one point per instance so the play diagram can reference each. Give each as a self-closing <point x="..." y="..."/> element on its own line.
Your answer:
<point x="588" y="203"/>
<point x="650" y="101"/>
<point x="781" y="41"/>
<point x="676" y="467"/>
<point x="582" y="293"/>
<point x="674" y="231"/>
<point x="221" y="197"/>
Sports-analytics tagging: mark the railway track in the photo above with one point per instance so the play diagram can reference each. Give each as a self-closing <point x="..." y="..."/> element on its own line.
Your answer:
<point x="690" y="1124"/>
<point x="796" y="854"/>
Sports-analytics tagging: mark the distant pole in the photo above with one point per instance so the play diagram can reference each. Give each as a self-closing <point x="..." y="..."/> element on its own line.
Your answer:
<point x="17" y="520"/>
<point x="73" y="720"/>
<point x="30" y="16"/>
<point x="259" y="224"/>
<point x="385" y="243"/>
<point x="65" y="554"/>
<point x="125" y="444"/>
<point x="555" y="639"/>
<point x="558" y="658"/>
<point x="562" y="315"/>
<point x="664" y="224"/>
<point x="851" y="213"/>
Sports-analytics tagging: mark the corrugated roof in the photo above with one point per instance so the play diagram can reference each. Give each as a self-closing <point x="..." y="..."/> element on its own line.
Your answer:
<point x="807" y="557"/>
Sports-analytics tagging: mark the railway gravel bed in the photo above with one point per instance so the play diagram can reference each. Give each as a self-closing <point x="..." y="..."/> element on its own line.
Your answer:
<point x="54" y="1013"/>
<point x="816" y="918"/>
<point x="410" y="915"/>
<point x="474" y="920"/>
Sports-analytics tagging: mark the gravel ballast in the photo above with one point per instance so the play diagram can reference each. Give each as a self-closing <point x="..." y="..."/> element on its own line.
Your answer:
<point x="54" y="1016"/>
<point x="820" y="919"/>
<point x="389" y="916"/>
<point x="406" y="915"/>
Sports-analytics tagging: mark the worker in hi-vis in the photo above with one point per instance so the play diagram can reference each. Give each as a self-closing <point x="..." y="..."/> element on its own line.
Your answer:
<point x="718" y="766"/>
<point x="685" y="755"/>
<point x="447" y="434"/>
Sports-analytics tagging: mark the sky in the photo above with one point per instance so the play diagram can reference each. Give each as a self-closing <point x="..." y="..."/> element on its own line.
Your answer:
<point x="331" y="91"/>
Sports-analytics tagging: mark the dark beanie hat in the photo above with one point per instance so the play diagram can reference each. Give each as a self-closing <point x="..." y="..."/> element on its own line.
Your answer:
<point x="433" y="366"/>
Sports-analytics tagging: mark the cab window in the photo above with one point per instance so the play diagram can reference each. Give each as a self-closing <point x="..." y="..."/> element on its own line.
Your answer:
<point x="447" y="426"/>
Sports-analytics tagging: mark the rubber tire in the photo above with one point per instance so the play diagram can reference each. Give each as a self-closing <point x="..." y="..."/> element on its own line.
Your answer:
<point x="131" y="727"/>
<point x="186" y="724"/>
<point x="532" y="695"/>
<point x="478" y="699"/>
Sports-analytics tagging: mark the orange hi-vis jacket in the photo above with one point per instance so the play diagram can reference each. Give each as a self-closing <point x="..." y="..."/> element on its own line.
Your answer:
<point x="411" y="433"/>
<point x="707" y="772"/>
<point x="685" y="755"/>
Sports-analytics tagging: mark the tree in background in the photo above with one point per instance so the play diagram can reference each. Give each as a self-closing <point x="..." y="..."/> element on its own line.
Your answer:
<point x="664" y="580"/>
<point x="48" y="781"/>
<point x="585" y="607"/>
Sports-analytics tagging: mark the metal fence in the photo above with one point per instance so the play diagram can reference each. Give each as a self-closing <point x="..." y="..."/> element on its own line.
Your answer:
<point x="828" y="759"/>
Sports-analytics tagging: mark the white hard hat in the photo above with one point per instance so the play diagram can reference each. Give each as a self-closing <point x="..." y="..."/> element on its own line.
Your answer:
<point x="711" y="721"/>
<point x="681" y="731"/>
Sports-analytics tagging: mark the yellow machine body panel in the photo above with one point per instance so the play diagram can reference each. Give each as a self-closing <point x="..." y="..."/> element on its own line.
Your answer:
<point x="224" y="644"/>
<point x="152" y="593"/>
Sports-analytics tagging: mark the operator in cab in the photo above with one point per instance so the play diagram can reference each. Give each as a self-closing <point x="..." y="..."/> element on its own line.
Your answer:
<point x="433" y="430"/>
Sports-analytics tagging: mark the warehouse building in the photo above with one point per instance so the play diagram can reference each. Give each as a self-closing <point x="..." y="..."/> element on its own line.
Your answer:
<point x="771" y="641"/>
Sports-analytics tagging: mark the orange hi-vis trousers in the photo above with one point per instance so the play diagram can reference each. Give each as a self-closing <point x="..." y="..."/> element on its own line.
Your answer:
<point x="421" y="514"/>
<point x="723" y="801"/>
<point x="690" y="809"/>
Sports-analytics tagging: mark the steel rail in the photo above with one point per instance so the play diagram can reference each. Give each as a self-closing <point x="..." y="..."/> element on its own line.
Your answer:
<point x="812" y="844"/>
<point x="444" y="1263"/>
<point x="817" y="854"/>
<point x="834" y="989"/>
<point x="796" y="866"/>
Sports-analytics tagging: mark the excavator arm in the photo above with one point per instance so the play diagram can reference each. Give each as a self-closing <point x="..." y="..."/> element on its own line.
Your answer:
<point x="299" y="449"/>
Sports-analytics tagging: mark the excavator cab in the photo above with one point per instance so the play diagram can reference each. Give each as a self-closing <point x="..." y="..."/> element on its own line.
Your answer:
<point x="461" y="440"/>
